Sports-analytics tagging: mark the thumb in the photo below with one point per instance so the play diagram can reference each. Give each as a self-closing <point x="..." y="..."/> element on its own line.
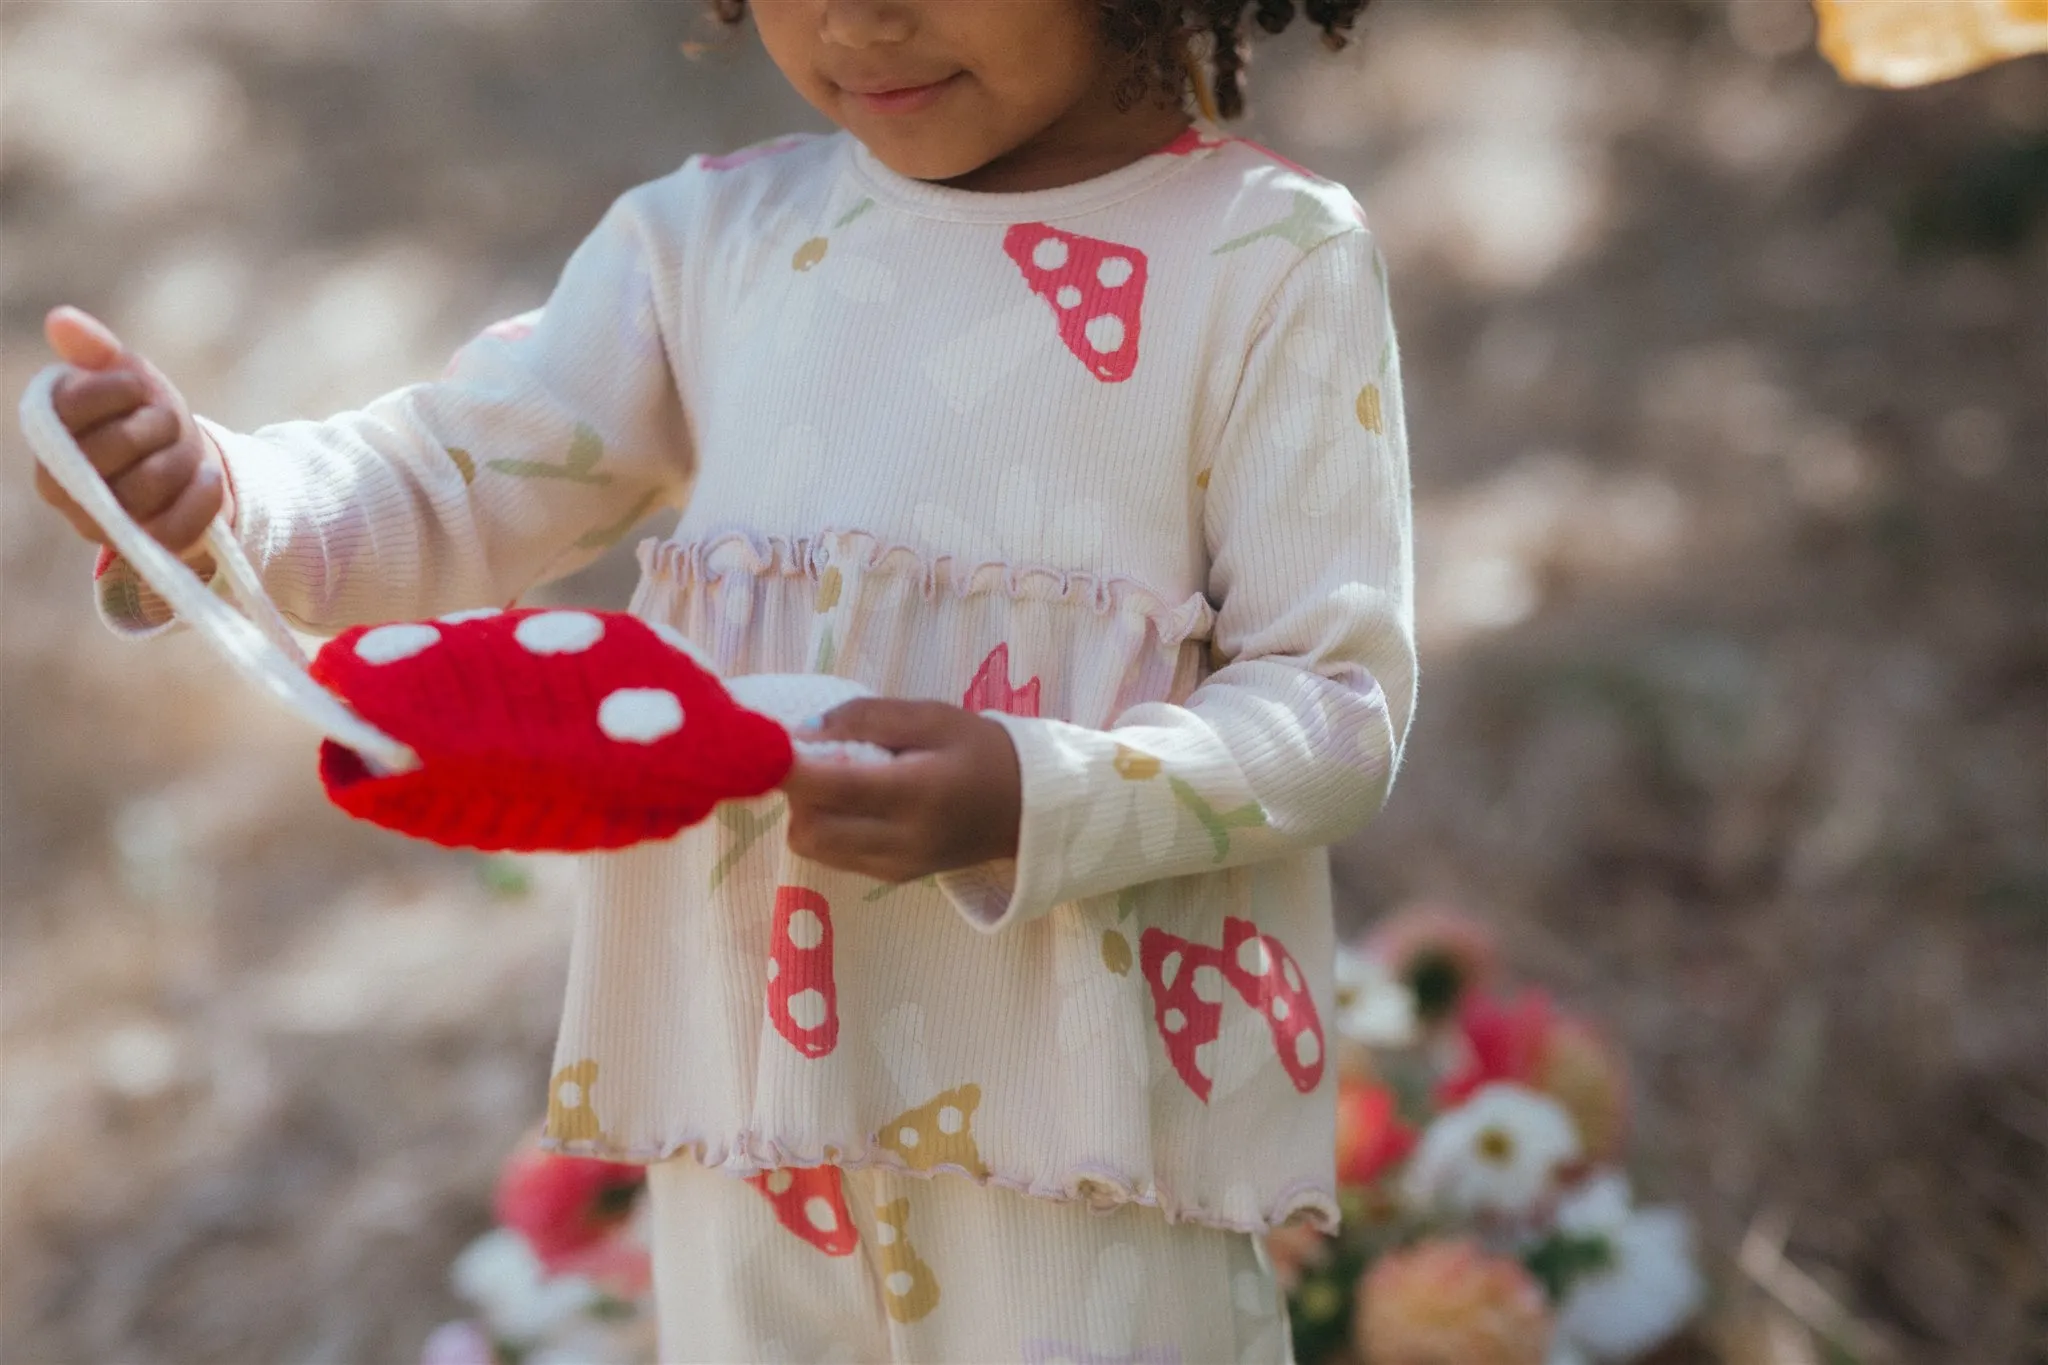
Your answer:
<point x="81" y="339"/>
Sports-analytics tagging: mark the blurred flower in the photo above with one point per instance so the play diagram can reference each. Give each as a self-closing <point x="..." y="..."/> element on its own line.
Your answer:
<point x="1499" y="1153"/>
<point x="619" y="1266"/>
<point x="1649" y="1286"/>
<point x="565" y="1204"/>
<point x="1372" y="1007"/>
<point x="1440" y="953"/>
<point x="519" y="1300"/>
<point x="1370" y="1136"/>
<point x="1580" y="1069"/>
<point x="1450" y="1303"/>
<point x="458" y="1343"/>
<point x="1502" y="1040"/>
<point x="1294" y="1249"/>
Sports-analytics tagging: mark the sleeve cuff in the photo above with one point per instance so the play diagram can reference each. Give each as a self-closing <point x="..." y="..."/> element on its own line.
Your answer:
<point x="999" y="895"/>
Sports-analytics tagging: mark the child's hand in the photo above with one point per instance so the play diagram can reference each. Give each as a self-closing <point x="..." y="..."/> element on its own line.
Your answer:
<point x="137" y="432"/>
<point x="951" y="798"/>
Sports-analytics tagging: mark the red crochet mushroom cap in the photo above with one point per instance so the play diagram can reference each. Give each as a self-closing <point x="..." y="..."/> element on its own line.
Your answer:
<point x="538" y="730"/>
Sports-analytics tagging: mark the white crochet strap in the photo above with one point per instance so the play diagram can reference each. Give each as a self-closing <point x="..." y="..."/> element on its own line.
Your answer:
<point x="261" y="649"/>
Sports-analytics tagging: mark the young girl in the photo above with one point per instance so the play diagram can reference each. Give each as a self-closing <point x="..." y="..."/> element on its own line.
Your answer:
<point x="1071" y="429"/>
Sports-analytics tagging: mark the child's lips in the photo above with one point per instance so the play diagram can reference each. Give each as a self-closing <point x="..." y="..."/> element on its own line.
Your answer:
<point x="902" y="99"/>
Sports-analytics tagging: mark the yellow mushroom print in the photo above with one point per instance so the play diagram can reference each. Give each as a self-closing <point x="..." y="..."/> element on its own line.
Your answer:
<point x="1369" y="413"/>
<point x="829" y="587"/>
<point x="939" y="1132"/>
<point x="909" y="1289"/>
<point x="1133" y="766"/>
<point x="571" y="1116"/>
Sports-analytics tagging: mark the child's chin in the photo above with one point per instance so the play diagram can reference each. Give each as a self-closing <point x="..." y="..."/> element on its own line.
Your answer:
<point x="942" y="156"/>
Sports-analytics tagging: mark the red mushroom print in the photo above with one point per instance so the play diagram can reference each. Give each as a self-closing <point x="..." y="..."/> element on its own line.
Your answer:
<point x="1265" y="974"/>
<point x="1187" y="1003"/>
<point x="1096" y="289"/>
<point x="991" y="690"/>
<point x="803" y="1002"/>
<point x="811" y="1202"/>
<point x="542" y="730"/>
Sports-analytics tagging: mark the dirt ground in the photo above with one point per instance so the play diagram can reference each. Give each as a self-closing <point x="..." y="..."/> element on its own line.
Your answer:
<point x="1730" y="435"/>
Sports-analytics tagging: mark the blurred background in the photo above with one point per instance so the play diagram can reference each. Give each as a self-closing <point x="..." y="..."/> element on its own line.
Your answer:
<point x="1730" y="435"/>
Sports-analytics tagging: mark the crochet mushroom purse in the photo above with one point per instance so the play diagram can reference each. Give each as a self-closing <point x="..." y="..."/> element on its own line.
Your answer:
<point x="525" y="730"/>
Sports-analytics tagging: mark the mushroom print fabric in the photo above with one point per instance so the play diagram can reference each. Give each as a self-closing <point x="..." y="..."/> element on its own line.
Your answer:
<point x="1096" y="289"/>
<point x="803" y="1000"/>
<point x="542" y="730"/>
<point x="1187" y="981"/>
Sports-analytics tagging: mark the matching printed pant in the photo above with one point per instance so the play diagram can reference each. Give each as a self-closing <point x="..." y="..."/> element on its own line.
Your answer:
<point x="824" y="1265"/>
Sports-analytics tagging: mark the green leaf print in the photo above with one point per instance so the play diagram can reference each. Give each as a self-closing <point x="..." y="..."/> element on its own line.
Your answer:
<point x="586" y="448"/>
<point x="746" y="827"/>
<point x="1126" y="902"/>
<point x="885" y="888"/>
<point x="828" y="654"/>
<point x="1306" y="226"/>
<point x="1219" y="824"/>
<point x="853" y="213"/>
<point x="604" y="537"/>
<point x="463" y="462"/>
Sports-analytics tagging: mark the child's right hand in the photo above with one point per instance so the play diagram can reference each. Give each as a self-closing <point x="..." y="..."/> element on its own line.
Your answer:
<point x="137" y="432"/>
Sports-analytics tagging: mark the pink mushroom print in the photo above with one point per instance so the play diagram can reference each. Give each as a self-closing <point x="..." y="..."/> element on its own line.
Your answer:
<point x="803" y="1002"/>
<point x="1096" y="289"/>
<point x="1265" y="974"/>
<point x="1187" y="1003"/>
<point x="542" y="730"/>
<point x="991" y="689"/>
<point x="811" y="1202"/>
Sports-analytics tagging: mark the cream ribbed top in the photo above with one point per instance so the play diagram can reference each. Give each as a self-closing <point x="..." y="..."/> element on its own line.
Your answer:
<point x="1123" y="461"/>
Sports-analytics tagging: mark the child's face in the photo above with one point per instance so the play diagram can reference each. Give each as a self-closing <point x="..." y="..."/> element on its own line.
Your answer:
<point x="938" y="89"/>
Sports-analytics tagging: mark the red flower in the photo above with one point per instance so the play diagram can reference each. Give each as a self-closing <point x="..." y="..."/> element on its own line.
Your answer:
<point x="1503" y="1041"/>
<point x="1371" y="1139"/>
<point x="565" y="1205"/>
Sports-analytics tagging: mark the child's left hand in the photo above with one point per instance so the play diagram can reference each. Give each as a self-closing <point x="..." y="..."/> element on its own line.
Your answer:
<point x="951" y="798"/>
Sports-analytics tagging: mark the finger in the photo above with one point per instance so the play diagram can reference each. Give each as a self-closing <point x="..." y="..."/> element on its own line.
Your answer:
<point x="183" y="525"/>
<point x="851" y="843"/>
<point x="865" y="789"/>
<point x="86" y="398"/>
<point x="81" y="339"/>
<point x="53" y="493"/>
<point x="115" y="447"/>
<point x="152" y="485"/>
<point x="893" y="724"/>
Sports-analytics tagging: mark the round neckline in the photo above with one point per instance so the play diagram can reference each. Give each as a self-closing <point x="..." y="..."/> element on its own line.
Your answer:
<point x="929" y="200"/>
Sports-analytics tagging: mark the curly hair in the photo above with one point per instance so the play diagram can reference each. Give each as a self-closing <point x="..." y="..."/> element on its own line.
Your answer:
<point x="1160" y="37"/>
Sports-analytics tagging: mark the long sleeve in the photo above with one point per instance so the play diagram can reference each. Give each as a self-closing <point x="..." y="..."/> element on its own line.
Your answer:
<point x="1294" y="740"/>
<point x="549" y="437"/>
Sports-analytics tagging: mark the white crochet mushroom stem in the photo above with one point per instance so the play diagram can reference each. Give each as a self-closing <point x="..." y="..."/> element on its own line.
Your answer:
<point x="793" y="698"/>
<point x="262" y="650"/>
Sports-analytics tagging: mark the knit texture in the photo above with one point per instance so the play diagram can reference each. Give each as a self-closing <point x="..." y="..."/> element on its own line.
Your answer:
<point x="1122" y="464"/>
<point x="554" y="731"/>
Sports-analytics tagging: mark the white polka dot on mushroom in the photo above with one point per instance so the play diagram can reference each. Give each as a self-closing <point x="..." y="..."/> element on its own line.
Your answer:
<point x="1279" y="1007"/>
<point x="1113" y="272"/>
<point x="559" y="632"/>
<point x="807" y="1007"/>
<point x="389" y="644"/>
<point x="774" y="969"/>
<point x="885" y="1233"/>
<point x="898" y="1283"/>
<point x="805" y="929"/>
<point x="907" y="1136"/>
<point x="819" y="1211"/>
<point x="1293" y="977"/>
<point x="1068" y="296"/>
<point x="1307" y="1047"/>
<point x="1049" y="254"/>
<point x="951" y="1120"/>
<point x="1105" y="333"/>
<point x="640" y="715"/>
<point x="1253" y="957"/>
<point x="779" y="1180"/>
<point x="1174" y="1021"/>
<point x="570" y="1094"/>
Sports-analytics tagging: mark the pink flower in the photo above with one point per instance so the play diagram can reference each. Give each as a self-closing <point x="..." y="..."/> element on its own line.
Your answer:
<point x="1503" y="1041"/>
<point x="619" y="1265"/>
<point x="1527" y="1041"/>
<point x="565" y="1205"/>
<point x="1370" y="1136"/>
<point x="1450" y="1303"/>
<point x="1440" y="953"/>
<point x="991" y="690"/>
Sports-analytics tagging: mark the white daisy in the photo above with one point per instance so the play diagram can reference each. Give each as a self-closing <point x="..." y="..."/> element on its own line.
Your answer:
<point x="1372" y="1007"/>
<point x="1497" y="1153"/>
<point x="1650" y="1286"/>
<point x="499" y="1273"/>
